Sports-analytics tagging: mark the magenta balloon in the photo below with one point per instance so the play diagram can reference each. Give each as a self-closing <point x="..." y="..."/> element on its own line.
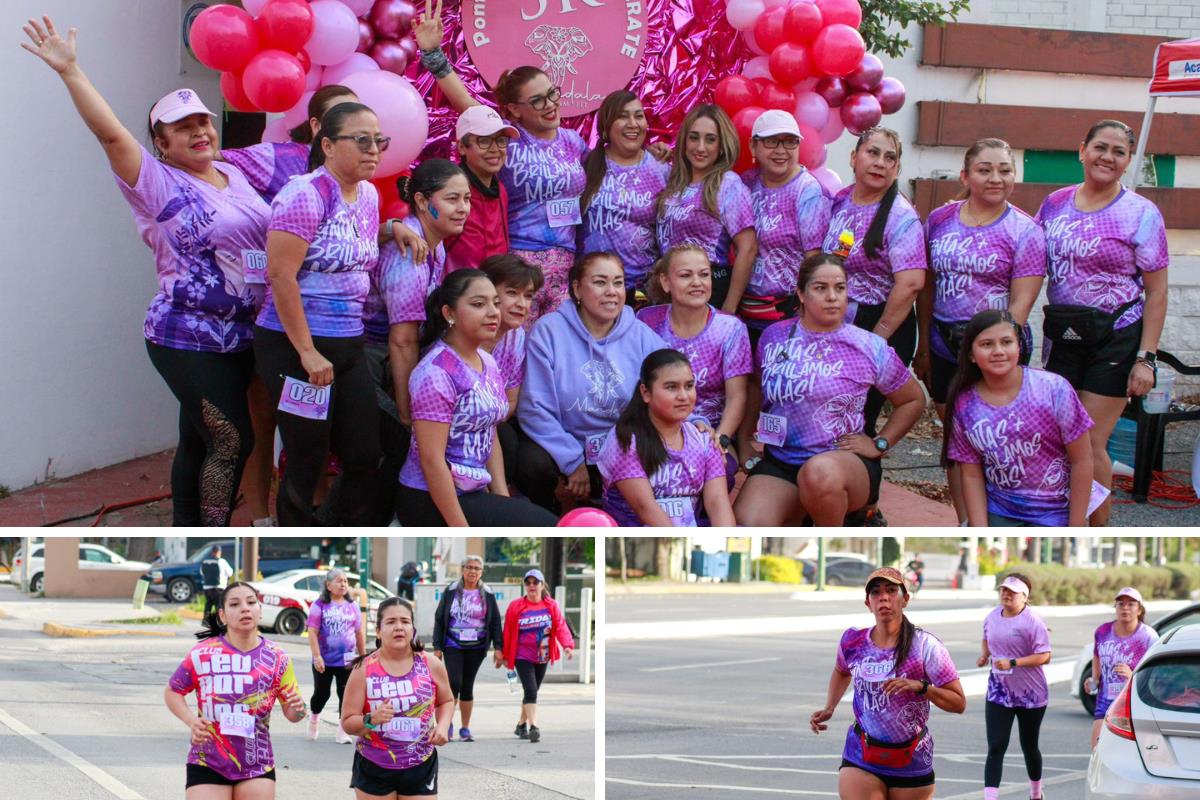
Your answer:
<point x="845" y="12"/>
<point x="389" y="55"/>
<point x="838" y="49"/>
<point x="274" y="80"/>
<point x="335" y="32"/>
<point x="830" y="181"/>
<point x="811" y="109"/>
<point x="586" y="518"/>
<point x="359" y="7"/>
<point x="890" y="93"/>
<point x="366" y="36"/>
<point x="834" y="127"/>
<point x="867" y="75"/>
<point x="409" y="45"/>
<point x="861" y="111"/>
<point x="392" y="19"/>
<point x="402" y="116"/>
<point x="833" y="90"/>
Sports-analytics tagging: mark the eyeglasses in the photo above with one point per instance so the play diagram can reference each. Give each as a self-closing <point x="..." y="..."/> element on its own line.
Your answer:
<point x="540" y="101"/>
<point x="492" y="142"/>
<point x="532" y="581"/>
<point x="775" y="142"/>
<point x="472" y="569"/>
<point x="364" y="141"/>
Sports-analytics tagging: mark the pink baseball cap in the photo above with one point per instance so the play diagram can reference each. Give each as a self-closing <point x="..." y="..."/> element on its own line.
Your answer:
<point x="1015" y="584"/>
<point x="176" y="105"/>
<point x="1131" y="593"/>
<point x="775" y="123"/>
<point x="482" y="121"/>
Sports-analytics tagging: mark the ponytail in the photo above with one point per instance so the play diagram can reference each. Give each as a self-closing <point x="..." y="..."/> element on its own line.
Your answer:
<point x="908" y="633"/>
<point x="873" y="241"/>
<point x="212" y="626"/>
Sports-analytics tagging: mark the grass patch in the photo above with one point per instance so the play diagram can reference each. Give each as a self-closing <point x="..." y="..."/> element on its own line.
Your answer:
<point x="165" y="618"/>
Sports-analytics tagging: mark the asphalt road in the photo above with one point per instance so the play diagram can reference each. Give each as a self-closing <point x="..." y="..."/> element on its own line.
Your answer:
<point x="728" y="716"/>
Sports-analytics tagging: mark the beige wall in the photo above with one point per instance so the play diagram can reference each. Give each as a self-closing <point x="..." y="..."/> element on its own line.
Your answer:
<point x="64" y="578"/>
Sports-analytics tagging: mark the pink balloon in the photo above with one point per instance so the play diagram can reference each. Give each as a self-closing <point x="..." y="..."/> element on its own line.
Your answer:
<point x="312" y="78"/>
<point x="757" y="67"/>
<point x="392" y="19"/>
<point x="335" y="32"/>
<point x="838" y="49"/>
<point x="833" y="90"/>
<point x="830" y="181"/>
<point x="861" y="111"/>
<point x="890" y="93"/>
<point x="366" y="36"/>
<point x="834" y="127"/>
<point x="811" y="109"/>
<point x="806" y="85"/>
<point x="276" y="131"/>
<point x="790" y="63"/>
<point x="812" y="150"/>
<point x="254" y="7"/>
<point x="357" y="62"/>
<point x="845" y="12"/>
<point x="752" y="43"/>
<point x="359" y="7"/>
<point x="389" y="55"/>
<point x="867" y="75"/>
<point x="587" y="518"/>
<point x="742" y="14"/>
<point x="297" y="113"/>
<point x="803" y="22"/>
<point x="224" y="38"/>
<point x="409" y="46"/>
<point x="273" y="80"/>
<point x="402" y="116"/>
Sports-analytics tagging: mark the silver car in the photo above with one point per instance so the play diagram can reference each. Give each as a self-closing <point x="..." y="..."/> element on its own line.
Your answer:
<point x="1149" y="745"/>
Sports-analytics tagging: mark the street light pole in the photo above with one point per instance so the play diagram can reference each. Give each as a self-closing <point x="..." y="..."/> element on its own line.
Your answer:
<point x="820" y="563"/>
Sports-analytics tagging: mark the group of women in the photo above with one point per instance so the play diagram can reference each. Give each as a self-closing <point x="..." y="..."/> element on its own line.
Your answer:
<point x="396" y="704"/>
<point x="503" y="326"/>
<point x="897" y="670"/>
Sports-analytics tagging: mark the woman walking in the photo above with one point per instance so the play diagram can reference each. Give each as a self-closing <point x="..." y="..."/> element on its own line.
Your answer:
<point x="336" y="638"/>
<point x="534" y="629"/>
<point x="1119" y="647"/>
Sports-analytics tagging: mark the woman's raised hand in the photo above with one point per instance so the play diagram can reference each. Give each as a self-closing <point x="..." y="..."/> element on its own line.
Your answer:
<point x="427" y="26"/>
<point x="57" y="52"/>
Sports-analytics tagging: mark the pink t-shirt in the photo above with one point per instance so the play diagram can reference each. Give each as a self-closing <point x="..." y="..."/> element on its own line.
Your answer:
<point x="1113" y="649"/>
<point x="870" y="280"/>
<point x="1016" y="637"/>
<point x="509" y="353"/>
<point x="533" y="634"/>
<point x="790" y="220"/>
<point x="336" y="625"/>
<point x="404" y="742"/>
<point x="270" y="165"/>
<point x="685" y="220"/>
<point x="621" y="216"/>
<point x="400" y="288"/>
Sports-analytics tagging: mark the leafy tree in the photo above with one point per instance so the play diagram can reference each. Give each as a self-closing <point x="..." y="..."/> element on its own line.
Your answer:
<point x="879" y="14"/>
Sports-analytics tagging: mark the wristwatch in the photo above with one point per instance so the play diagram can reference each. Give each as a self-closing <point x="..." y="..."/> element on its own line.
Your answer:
<point x="924" y="686"/>
<point x="724" y="441"/>
<point x="1149" y="356"/>
<point x="881" y="444"/>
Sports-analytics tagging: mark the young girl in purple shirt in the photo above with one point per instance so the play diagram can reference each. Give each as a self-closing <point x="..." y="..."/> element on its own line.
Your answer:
<point x="1118" y="647"/>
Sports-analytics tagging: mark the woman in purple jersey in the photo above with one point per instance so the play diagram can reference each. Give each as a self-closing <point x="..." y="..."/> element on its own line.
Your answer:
<point x="1118" y="649"/>
<point x="1107" y="287"/>
<point x="335" y="638"/>
<point x="204" y="224"/>
<point x="897" y="671"/>
<point x="983" y="253"/>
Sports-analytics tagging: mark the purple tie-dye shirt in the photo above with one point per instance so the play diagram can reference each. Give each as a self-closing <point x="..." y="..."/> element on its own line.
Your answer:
<point x="790" y="220"/>
<point x="342" y="250"/>
<point x="973" y="268"/>
<point x="719" y="352"/>
<point x="621" y="216"/>
<point x="336" y="624"/>
<point x="201" y="237"/>
<point x="1097" y="257"/>
<point x="229" y="683"/>
<point x="1022" y="446"/>
<point x="678" y="484"/>
<point x="1016" y="637"/>
<point x="869" y="281"/>
<point x="898" y="717"/>
<point x="406" y="741"/>
<point x="270" y="165"/>
<point x="1112" y="650"/>
<point x="444" y="388"/>
<point x="818" y="382"/>
<point x="509" y="353"/>
<point x="400" y="288"/>
<point x="536" y="172"/>
<point x="685" y="220"/>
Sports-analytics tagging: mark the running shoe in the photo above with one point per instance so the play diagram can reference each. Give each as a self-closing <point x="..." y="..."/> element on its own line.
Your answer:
<point x="464" y="735"/>
<point x="341" y="737"/>
<point x="534" y="734"/>
<point x="522" y="730"/>
<point x="314" y="726"/>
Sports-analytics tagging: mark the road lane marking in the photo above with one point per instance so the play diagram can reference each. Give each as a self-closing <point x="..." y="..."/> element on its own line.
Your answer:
<point x="710" y="664"/>
<point x="1021" y="789"/>
<point x="114" y="786"/>
<point x="724" y="788"/>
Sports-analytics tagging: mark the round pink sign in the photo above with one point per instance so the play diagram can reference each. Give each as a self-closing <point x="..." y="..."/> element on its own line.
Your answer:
<point x="589" y="48"/>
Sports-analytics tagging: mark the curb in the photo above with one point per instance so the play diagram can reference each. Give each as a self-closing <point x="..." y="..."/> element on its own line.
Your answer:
<point x="70" y="632"/>
<point x="187" y="613"/>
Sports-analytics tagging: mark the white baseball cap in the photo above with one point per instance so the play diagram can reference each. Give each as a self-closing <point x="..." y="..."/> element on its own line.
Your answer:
<point x="775" y="123"/>
<point x="482" y="121"/>
<point x="176" y="105"/>
<point x="1131" y="593"/>
<point x="1015" y="584"/>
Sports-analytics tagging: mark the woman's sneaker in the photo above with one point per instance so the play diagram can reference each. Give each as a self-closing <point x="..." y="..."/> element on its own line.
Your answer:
<point x="314" y="726"/>
<point x="522" y="730"/>
<point x="341" y="737"/>
<point x="464" y="735"/>
<point x="535" y="735"/>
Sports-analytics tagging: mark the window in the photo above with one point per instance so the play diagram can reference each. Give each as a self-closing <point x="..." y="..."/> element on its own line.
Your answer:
<point x="1171" y="683"/>
<point x="1192" y="617"/>
<point x="93" y="555"/>
<point x="313" y="583"/>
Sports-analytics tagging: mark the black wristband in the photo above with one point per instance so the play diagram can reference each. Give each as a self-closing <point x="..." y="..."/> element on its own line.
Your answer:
<point x="924" y="686"/>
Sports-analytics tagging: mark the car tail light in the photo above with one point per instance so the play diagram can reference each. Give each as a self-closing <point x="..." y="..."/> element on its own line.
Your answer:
<point x="1119" y="718"/>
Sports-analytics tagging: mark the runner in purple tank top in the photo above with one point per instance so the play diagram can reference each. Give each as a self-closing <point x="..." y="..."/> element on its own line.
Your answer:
<point x="897" y="670"/>
<point x="1119" y="648"/>
<point x="399" y="705"/>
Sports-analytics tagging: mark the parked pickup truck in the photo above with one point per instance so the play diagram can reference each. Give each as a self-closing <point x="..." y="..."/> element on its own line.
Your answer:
<point x="180" y="582"/>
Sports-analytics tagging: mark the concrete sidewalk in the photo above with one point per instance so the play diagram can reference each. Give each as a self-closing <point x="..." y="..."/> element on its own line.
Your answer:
<point x="78" y="617"/>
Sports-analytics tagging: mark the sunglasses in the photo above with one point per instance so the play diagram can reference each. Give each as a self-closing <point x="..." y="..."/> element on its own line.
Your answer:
<point x="540" y="101"/>
<point x="364" y="141"/>
<point x="532" y="581"/>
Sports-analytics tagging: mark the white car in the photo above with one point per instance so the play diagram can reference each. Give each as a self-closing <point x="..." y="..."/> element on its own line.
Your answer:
<point x="287" y="597"/>
<point x="91" y="556"/>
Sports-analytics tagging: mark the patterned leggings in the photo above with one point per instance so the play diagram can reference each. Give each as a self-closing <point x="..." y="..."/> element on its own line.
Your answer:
<point x="555" y="263"/>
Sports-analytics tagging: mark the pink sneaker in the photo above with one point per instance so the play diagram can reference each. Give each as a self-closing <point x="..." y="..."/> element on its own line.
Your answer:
<point x="341" y="737"/>
<point x="314" y="727"/>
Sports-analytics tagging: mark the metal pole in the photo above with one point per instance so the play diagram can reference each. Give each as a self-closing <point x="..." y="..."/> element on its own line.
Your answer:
<point x="27" y="550"/>
<point x="237" y="555"/>
<point x="1135" y="174"/>
<point x="820" y="563"/>
<point x="585" y="636"/>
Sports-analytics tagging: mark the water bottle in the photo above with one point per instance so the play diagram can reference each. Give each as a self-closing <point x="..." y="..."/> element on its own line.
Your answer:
<point x="513" y="682"/>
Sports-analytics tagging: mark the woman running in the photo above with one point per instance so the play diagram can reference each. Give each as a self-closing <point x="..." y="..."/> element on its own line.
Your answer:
<point x="454" y="473"/>
<point x="1119" y="647"/>
<point x="887" y="262"/>
<point x="336" y="638"/>
<point x="1107" y="288"/>
<point x="623" y="184"/>
<point x="321" y="248"/>
<point x="237" y="676"/>
<point x="816" y="372"/>
<point x="1016" y="644"/>
<point x="534" y="630"/>
<point x="399" y="705"/>
<point x="984" y="253"/>
<point x="466" y="622"/>
<point x="1018" y="434"/>
<point x="897" y="670"/>
<point x="706" y="203"/>
<point x="658" y="469"/>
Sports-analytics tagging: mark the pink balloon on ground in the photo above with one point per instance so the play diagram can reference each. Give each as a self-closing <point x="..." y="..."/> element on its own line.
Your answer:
<point x="757" y="67"/>
<point x="811" y="109"/>
<point x="389" y="55"/>
<point x="357" y="62"/>
<point x="833" y="90"/>
<point x="276" y="131"/>
<point x="890" y="93"/>
<point x="834" y="127"/>
<point x="297" y="113"/>
<point x="366" y="36"/>
<point x="742" y="14"/>
<point x="392" y="19"/>
<point x="335" y="32"/>
<point x="861" y="111"/>
<point x="867" y="75"/>
<point x="402" y="116"/>
<point x="359" y="7"/>
<point x="830" y="181"/>
<point x="838" y="49"/>
<point x="587" y="518"/>
<point x="845" y="12"/>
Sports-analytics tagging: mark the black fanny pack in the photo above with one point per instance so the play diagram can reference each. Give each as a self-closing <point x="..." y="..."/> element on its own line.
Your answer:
<point x="951" y="333"/>
<point x="1082" y="326"/>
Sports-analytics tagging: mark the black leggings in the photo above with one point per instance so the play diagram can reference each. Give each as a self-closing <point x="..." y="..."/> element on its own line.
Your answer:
<point x="999" y="720"/>
<point x="538" y="475"/>
<point x="215" y="433"/>
<point x="415" y="508"/>
<point x="462" y="666"/>
<point x="531" y="676"/>
<point x="351" y="429"/>
<point x="322" y="681"/>
<point x="903" y="341"/>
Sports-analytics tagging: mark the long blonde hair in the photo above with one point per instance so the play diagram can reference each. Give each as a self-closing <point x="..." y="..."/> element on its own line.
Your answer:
<point x="680" y="176"/>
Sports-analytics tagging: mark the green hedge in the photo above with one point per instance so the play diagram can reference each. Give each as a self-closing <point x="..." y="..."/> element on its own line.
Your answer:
<point x="1054" y="584"/>
<point x="779" y="569"/>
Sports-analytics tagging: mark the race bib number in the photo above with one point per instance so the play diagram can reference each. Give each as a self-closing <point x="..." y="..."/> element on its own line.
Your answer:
<point x="254" y="266"/>
<point x="1100" y="493"/>
<point x="591" y="453"/>
<point x="303" y="399"/>
<point x="875" y="671"/>
<point x="234" y="723"/>
<point x="468" y="634"/>
<point x="681" y="510"/>
<point x="563" y="213"/>
<point x="772" y="429"/>
<point x="1113" y="689"/>
<point x="403" y="729"/>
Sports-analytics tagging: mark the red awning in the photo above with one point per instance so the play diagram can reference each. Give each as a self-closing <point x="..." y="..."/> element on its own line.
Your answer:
<point x="1176" y="68"/>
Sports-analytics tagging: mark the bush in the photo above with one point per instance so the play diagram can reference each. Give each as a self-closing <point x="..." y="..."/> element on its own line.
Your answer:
<point x="989" y="564"/>
<point x="1185" y="579"/>
<point x="779" y="569"/>
<point x="1054" y="584"/>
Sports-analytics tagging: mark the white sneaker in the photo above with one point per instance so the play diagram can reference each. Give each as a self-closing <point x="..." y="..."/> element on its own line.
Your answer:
<point x="341" y="737"/>
<point x="314" y="727"/>
<point x="264" y="522"/>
